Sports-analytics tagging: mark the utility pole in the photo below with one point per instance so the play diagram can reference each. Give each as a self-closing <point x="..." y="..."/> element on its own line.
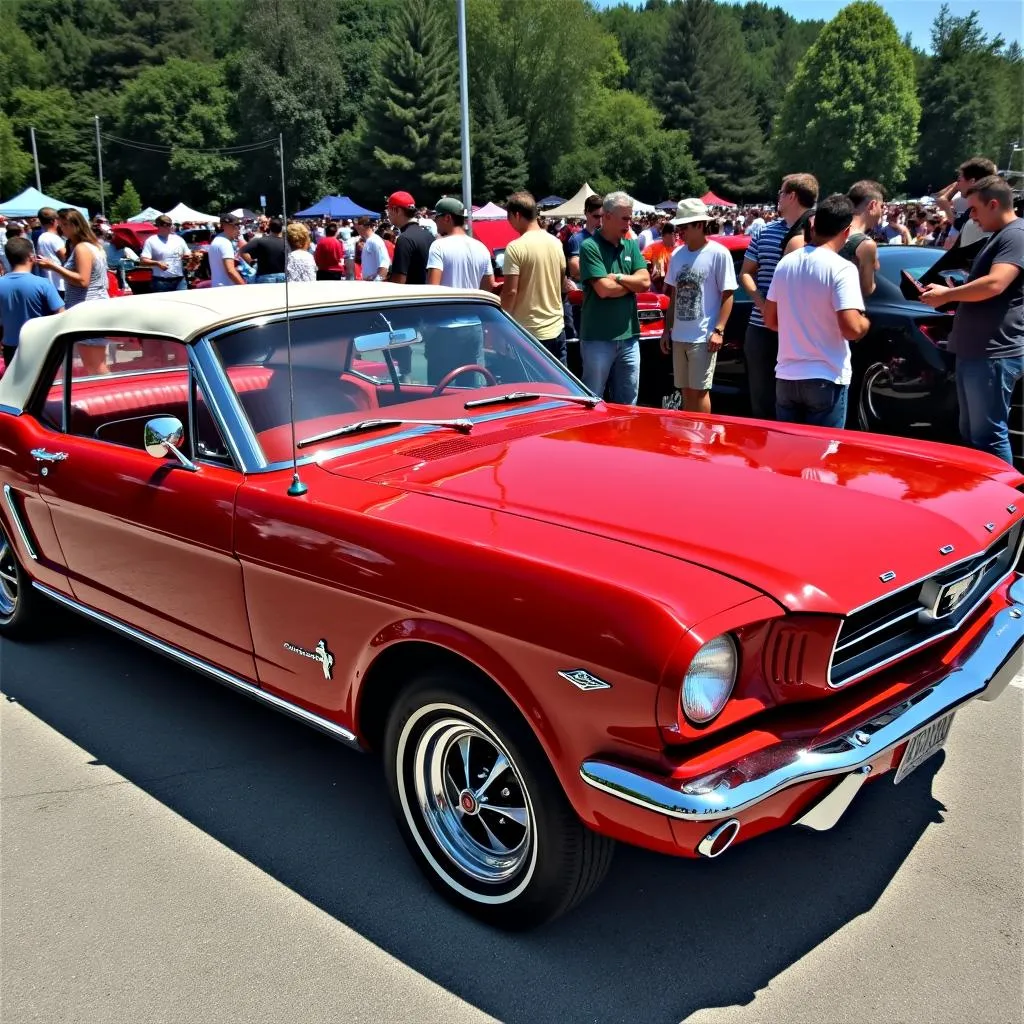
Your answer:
<point x="99" y="164"/>
<point x="35" y="158"/>
<point x="467" y="181"/>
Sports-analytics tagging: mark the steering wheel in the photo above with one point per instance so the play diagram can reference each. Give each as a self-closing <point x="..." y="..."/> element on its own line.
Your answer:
<point x="458" y="372"/>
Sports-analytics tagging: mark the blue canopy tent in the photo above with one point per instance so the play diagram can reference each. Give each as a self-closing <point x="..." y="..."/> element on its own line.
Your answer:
<point x="550" y="201"/>
<point x="669" y="204"/>
<point x="337" y="206"/>
<point x="31" y="201"/>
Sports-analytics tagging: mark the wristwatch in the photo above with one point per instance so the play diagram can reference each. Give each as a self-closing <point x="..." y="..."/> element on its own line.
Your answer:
<point x="618" y="279"/>
<point x="718" y="330"/>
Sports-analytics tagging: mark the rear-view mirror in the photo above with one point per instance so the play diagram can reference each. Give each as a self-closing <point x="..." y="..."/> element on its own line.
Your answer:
<point x="401" y="338"/>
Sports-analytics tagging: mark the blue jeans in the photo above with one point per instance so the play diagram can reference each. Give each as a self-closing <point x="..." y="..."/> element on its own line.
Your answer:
<point x="269" y="279"/>
<point x="169" y="284"/>
<point x="984" y="388"/>
<point x="818" y="403"/>
<point x="614" y="365"/>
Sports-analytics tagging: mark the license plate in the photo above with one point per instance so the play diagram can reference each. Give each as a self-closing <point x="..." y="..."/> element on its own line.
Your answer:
<point x="922" y="745"/>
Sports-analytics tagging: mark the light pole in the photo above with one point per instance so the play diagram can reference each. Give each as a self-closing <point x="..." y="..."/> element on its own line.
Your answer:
<point x="467" y="180"/>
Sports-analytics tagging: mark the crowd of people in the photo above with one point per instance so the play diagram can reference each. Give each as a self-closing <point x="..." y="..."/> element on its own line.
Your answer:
<point x="808" y="267"/>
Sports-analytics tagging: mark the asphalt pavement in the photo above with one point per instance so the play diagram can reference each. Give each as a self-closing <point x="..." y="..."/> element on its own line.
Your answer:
<point x="173" y="852"/>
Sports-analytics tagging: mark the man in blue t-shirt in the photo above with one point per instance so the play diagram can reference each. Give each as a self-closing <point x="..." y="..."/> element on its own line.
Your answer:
<point x="23" y="296"/>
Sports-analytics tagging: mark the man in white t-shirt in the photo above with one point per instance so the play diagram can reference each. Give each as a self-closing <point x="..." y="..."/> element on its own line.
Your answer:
<point x="699" y="282"/>
<point x="376" y="261"/>
<point x="815" y="303"/>
<point x="50" y="246"/>
<point x="223" y="268"/>
<point x="167" y="253"/>
<point x="456" y="259"/>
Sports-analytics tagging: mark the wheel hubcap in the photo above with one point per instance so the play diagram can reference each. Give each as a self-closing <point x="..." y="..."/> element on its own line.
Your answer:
<point x="473" y="800"/>
<point x="8" y="577"/>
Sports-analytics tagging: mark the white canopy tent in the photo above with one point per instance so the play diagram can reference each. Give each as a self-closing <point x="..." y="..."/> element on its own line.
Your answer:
<point x="144" y="216"/>
<point x="183" y="214"/>
<point x="492" y="211"/>
<point x="639" y="207"/>
<point x="572" y="207"/>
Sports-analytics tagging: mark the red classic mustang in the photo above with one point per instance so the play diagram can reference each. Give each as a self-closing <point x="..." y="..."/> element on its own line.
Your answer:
<point x="561" y="622"/>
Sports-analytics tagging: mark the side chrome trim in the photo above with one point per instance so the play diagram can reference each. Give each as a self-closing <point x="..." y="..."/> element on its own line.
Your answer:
<point x="12" y="508"/>
<point x="992" y="662"/>
<point x="339" y="732"/>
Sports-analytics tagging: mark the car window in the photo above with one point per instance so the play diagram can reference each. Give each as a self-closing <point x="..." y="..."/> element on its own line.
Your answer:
<point x="916" y="260"/>
<point x="348" y="365"/>
<point x="118" y="383"/>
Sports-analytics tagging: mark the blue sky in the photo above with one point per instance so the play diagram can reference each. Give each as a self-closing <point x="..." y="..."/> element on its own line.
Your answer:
<point x="1003" y="17"/>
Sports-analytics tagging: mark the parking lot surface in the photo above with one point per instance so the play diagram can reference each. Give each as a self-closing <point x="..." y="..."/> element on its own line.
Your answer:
<point x="172" y="852"/>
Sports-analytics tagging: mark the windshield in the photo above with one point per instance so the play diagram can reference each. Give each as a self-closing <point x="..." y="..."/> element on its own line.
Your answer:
<point x="420" y="361"/>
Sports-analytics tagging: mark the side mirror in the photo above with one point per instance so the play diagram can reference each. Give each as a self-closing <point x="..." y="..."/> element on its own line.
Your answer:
<point x="163" y="436"/>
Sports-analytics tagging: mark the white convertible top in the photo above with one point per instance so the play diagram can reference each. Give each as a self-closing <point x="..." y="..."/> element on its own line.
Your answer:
<point x="188" y="315"/>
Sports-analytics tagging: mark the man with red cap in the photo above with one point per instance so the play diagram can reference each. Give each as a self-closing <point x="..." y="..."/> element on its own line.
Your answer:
<point x="413" y="244"/>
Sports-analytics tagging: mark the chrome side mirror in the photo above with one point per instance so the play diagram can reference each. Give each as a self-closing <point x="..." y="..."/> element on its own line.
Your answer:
<point x="163" y="436"/>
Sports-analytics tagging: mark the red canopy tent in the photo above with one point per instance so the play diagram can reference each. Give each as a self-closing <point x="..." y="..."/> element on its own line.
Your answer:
<point x="495" y="234"/>
<point x="710" y="199"/>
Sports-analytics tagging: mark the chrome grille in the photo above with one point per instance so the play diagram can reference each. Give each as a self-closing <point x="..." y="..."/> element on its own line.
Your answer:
<point x="916" y="615"/>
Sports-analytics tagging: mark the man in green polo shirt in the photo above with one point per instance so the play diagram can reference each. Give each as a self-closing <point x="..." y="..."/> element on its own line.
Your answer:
<point x="612" y="272"/>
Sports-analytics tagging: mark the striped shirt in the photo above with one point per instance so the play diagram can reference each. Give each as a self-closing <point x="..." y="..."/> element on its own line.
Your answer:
<point x="766" y="250"/>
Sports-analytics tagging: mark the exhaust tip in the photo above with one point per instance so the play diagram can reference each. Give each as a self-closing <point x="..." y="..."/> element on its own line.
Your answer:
<point x="719" y="839"/>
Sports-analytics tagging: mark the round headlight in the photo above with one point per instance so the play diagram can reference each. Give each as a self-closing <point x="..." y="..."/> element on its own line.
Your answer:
<point x="709" y="679"/>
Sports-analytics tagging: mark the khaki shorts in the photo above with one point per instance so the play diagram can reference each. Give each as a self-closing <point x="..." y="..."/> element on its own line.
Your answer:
<point x="693" y="366"/>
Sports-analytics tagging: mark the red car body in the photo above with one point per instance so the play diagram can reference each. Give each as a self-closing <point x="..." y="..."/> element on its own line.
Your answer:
<point x="575" y="559"/>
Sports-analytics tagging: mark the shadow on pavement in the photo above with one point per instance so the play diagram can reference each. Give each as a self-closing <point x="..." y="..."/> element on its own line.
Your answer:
<point x="661" y="939"/>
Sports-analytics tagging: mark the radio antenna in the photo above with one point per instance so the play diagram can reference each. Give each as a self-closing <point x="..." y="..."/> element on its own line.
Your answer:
<point x="297" y="487"/>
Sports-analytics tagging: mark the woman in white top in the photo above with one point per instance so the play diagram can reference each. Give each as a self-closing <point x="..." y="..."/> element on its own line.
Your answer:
<point x="301" y="265"/>
<point x="85" y="272"/>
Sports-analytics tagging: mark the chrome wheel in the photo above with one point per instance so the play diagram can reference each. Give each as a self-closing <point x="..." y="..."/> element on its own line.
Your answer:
<point x="8" y="578"/>
<point x="868" y="418"/>
<point x="472" y="800"/>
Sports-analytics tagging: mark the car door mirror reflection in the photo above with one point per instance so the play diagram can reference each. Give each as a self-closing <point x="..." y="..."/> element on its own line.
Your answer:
<point x="163" y="436"/>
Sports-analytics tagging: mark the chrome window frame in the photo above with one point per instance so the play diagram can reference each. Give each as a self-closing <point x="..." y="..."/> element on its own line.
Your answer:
<point x="231" y="417"/>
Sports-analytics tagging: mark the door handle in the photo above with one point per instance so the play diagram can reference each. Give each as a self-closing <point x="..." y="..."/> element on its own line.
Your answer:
<point x="42" y="455"/>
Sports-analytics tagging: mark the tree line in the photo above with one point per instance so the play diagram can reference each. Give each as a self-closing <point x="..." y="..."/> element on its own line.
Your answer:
<point x="664" y="100"/>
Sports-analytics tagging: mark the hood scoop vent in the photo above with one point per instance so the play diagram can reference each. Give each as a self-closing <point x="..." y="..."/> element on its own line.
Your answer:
<point x="458" y="445"/>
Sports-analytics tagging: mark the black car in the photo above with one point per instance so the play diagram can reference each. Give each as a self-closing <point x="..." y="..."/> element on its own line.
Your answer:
<point x="903" y="377"/>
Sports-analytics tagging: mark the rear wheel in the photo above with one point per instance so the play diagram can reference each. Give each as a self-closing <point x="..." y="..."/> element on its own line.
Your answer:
<point x="19" y="603"/>
<point x="868" y="418"/>
<point x="481" y="809"/>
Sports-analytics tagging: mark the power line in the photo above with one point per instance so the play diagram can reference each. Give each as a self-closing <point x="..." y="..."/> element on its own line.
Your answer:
<point x="152" y="147"/>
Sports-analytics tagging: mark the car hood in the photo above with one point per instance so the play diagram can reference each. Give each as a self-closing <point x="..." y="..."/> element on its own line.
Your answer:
<point x="815" y="518"/>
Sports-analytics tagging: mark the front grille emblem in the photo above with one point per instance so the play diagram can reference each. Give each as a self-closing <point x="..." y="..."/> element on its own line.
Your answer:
<point x="887" y="577"/>
<point x="946" y="549"/>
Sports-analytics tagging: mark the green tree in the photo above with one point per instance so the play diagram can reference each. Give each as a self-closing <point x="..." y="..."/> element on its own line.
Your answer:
<point x="288" y="79"/>
<point x="971" y="100"/>
<point x="127" y="203"/>
<point x="15" y="163"/>
<point x="622" y="145"/>
<point x="640" y="34"/>
<point x="851" y="110"/>
<point x="21" y="62"/>
<point x="546" y="57"/>
<point x="184" y="107"/>
<point x="411" y="138"/>
<point x="499" y="149"/>
<point x="705" y="90"/>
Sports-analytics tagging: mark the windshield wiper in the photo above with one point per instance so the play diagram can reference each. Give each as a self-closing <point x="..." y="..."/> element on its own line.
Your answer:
<point x="462" y="426"/>
<point x="529" y="396"/>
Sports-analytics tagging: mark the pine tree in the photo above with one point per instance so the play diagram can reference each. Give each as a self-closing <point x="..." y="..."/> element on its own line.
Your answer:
<point x="851" y="110"/>
<point x="411" y="137"/>
<point x="499" y="148"/>
<point x="127" y="203"/>
<point x="15" y="163"/>
<point x="706" y="91"/>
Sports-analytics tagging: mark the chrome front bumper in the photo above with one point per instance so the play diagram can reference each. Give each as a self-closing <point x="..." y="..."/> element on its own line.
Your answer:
<point x="985" y="672"/>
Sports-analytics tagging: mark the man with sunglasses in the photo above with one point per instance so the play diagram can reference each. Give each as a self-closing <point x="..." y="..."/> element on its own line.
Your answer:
<point x="592" y="216"/>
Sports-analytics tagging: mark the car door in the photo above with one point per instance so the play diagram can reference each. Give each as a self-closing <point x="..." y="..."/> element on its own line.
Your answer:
<point x="146" y="541"/>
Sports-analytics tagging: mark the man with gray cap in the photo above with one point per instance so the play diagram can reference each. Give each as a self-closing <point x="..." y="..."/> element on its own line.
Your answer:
<point x="457" y="260"/>
<point x="700" y="282"/>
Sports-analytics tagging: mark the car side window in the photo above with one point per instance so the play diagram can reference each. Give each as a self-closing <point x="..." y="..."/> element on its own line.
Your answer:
<point x="117" y="384"/>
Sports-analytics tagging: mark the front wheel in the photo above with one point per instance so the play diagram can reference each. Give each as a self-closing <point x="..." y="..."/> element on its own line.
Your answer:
<point x="19" y="603"/>
<point x="481" y="809"/>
